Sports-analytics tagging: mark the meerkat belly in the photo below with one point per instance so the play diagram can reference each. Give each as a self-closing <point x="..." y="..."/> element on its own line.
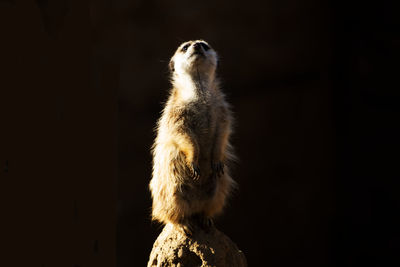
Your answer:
<point x="205" y="131"/>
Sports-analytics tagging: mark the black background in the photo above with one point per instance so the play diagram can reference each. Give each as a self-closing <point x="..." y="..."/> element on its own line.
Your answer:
<point x="315" y="92"/>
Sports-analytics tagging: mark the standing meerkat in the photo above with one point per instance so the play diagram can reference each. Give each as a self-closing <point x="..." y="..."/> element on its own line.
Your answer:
<point x="191" y="180"/>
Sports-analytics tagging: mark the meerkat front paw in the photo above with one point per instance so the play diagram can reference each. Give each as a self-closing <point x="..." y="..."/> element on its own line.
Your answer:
<point x="195" y="169"/>
<point x="217" y="168"/>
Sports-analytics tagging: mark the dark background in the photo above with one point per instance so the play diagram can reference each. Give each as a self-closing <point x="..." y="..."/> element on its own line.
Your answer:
<point x="315" y="91"/>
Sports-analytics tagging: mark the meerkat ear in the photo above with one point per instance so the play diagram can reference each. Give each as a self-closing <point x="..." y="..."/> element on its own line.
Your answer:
<point x="171" y="66"/>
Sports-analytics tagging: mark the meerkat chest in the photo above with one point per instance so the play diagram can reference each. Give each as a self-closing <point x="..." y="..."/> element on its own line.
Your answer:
<point x="202" y="118"/>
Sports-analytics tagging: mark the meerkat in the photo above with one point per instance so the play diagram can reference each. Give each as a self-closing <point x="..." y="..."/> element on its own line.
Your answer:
<point x="191" y="153"/>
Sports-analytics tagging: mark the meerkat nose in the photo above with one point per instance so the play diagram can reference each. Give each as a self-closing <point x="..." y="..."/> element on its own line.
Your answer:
<point x="197" y="47"/>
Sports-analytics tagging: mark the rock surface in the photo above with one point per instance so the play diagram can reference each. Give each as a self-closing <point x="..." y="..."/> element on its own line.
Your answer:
<point x="213" y="248"/>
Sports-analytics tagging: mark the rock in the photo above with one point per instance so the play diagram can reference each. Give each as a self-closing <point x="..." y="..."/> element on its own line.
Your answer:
<point x="212" y="248"/>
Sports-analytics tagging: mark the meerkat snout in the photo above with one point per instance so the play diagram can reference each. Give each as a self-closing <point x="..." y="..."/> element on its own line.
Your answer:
<point x="194" y="56"/>
<point x="199" y="47"/>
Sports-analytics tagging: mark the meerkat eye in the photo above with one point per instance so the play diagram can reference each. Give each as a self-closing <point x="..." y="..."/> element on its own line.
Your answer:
<point x="185" y="47"/>
<point x="205" y="47"/>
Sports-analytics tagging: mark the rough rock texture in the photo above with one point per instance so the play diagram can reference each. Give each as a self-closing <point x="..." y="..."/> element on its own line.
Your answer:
<point x="174" y="248"/>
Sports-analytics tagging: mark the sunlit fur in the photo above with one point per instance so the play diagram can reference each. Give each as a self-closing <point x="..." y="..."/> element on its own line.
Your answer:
<point x="194" y="127"/>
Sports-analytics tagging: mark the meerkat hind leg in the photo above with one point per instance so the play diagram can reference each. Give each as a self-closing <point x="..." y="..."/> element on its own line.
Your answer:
<point x="197" y="222"/>
<point x="202" y="221"/>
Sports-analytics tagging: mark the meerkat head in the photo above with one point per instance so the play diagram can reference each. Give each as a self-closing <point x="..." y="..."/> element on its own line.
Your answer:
<point x="194" y="58"/>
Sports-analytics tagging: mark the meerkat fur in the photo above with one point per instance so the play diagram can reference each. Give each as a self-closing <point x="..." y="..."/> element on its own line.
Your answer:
<point x="192" y="152"/>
